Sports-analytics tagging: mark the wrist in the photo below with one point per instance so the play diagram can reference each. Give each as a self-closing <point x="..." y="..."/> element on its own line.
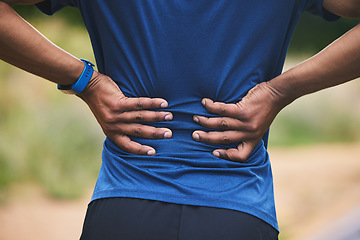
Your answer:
<point x="90" y="87"/>
<point x="70" y="72"/>
<point x="281" y="91"/>
<point x="81" y="82"/>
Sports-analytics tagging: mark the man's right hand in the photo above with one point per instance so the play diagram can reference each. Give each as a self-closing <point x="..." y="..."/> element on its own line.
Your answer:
<point x="120" y="117"/>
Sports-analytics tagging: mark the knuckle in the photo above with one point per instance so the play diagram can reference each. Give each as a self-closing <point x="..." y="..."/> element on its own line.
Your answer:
<point x="253" y="127"/>
<point x="223" y="110"/>
<point x="137" y="132"/>
<point x="139" y="104"/>
<point x="225" y="139"/>
<point x="117" y="106"/>
<point x="139" y="117"/>
<point x="110" y="129"/>
<point x="126" y="147"/>
<point x="250" y="113"/>
<point x="223" y="124"/>
<point x="109" y="118"/>
<point x="245" y="112"/>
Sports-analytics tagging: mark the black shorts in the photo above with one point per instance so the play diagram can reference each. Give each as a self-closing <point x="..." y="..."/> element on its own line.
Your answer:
<point x="138" y="219"/>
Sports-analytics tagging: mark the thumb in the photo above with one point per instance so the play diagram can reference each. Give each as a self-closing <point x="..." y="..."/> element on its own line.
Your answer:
<point x="239" y="154"/>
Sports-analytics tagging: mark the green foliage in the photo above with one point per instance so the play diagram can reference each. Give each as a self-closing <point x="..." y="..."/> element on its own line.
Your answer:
<point x="46" y="140"/>
<point x="292" y="130"/>
<point x="70" y="15"/>
<point x="312" y="33"/>
<point x="329" y="116"/>
<point x="47" y="137"/>
<point x="6" y="176"/>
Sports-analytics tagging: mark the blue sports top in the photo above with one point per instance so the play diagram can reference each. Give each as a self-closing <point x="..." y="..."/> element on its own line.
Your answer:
<point x="183" y="51"/>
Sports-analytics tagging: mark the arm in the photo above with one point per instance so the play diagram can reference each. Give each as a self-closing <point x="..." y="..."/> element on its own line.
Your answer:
<point x="343" y="8"/>
<point x="336" y="64"/>
<point x="119" y="116"/>
<point x="248" y="120"/>
<point x="20" y="43"/>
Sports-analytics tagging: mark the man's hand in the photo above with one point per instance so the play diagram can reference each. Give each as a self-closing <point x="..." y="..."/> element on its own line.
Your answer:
<point x="245" y="122"/>
<point x="121" y="117"/>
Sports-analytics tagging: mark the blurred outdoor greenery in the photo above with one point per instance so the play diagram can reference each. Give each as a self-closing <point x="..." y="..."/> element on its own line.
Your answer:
<point x="53" y="140"/>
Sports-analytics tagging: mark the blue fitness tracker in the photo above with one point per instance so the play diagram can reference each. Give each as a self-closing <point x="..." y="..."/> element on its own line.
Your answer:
<point x="81" y="83"/>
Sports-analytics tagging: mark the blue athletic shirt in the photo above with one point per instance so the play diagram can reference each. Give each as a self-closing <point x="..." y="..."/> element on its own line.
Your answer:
<point x="183" y="51"/>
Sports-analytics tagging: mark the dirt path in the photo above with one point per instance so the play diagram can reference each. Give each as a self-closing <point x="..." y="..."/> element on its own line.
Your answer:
<point x="313" y="186"/>
<point x="29" y="214"/>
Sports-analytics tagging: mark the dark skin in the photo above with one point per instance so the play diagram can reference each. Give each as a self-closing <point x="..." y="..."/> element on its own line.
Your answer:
<point x="120" y="117"/>
<point x="248" y="120"/>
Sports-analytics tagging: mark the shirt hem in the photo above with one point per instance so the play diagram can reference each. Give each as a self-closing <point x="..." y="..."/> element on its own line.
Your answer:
<point x="187" y="200"/>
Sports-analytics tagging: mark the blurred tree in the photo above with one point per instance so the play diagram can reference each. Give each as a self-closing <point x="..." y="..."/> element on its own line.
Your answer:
<point x="312" y="33"/>
<point x="70" y="15"/>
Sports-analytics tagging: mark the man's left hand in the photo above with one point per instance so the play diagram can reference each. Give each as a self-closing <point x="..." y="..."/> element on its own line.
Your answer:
<point x="245" y="122"/>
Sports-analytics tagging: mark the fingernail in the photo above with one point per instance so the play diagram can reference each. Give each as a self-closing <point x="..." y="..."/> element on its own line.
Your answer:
<point x="163" y="104"/>
<point x="203" y="102"/>
<point x="216" y="154"/>
<point x="196" y="119"/>
<point x="150" y="152"/>
<point x="168" y="117"/>
<point x="196" y="136"/>
<point x="167" y="135"/>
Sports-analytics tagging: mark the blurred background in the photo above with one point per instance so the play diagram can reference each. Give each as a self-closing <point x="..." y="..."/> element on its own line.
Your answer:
<point x="50" y="144"/>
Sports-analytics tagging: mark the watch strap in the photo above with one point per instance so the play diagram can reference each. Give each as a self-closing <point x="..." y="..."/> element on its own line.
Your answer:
<point x="82" y="81"/>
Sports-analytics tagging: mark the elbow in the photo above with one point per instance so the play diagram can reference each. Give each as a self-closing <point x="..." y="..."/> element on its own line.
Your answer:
<point x="343" y="8"/>
<point x="353" y="10"/>
<point x="4" y="4"/>
<point x="353" y="14"/>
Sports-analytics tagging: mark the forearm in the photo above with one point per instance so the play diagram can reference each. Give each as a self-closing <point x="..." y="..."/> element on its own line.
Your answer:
<point x="336" y="64"/>
<point x="23" y="46"/>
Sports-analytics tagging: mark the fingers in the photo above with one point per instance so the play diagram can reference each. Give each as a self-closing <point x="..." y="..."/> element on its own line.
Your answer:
<point x="132" y="104"/>
<point x="140" y="131"/>
<point x="237" y="127"/>
<point x="223" y="109"/>
<point x="226" y="137"/>
<point x="141" y="116"/>
<point x="239" y="154"/>
<point x="125" y="144"/>
<point x="119" y="116"/>
<point x="223" y="123"/>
